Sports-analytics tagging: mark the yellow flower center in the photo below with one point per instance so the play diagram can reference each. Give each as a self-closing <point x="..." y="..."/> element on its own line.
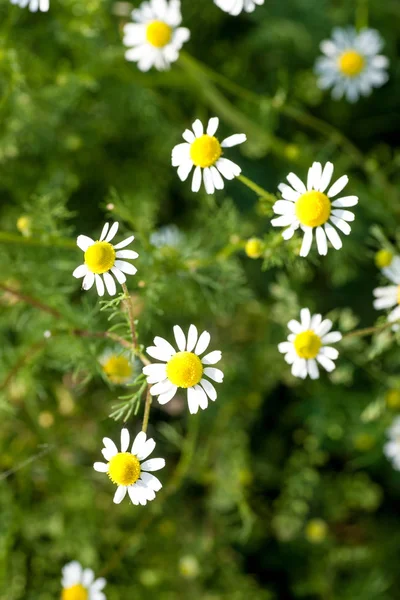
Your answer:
<point x="398" y="294"/>
<point x="118" y="369"/>
<point x="205" y="151"/>
<point x="351" y="63"/>
<point x="100" y="257"/>
<point x="124" y="468"/>
<point x="158" y="34"/>
<point x="307" y="344"/>
<point x="313" y="208"/>
<point x="76" y="592"/>
<point x="184" y="369"/>
<point x="253" y="248"/>
<point x="383" y="258"/>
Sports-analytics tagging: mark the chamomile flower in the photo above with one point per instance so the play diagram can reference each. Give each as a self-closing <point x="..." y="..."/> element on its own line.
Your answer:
<point x="127" y="470"/>
<point x="80" y="584"/>
<point x="184" y="368"/>
<point x="389" y="296"/>
<point x="117" y="366"/>
<point x="310" y="207"/>
<point x="384" y="258"/>
<point x="204" y="152"/>
<point x="352" y="65"/>
<point x="101" y="258"/>
<point x="306" y="345"/>
<point x="33" y="5"/>
<point x="155" y="38"/>
<point x="235" y="7"/>
<point x="392" y="447"/>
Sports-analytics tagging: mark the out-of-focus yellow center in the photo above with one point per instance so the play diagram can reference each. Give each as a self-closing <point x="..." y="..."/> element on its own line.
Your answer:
<point x="253" y="248"/>
<point x="124" y="468"/>
<point x="76" y="592"/>
<point x="307" y="344"/>
<point x="118" y="369"/>
<point x="184" y="369"/>
<point x="158" y="34"/>
<point x="205" y="151"/>
<point x="100" y="257"/>
<point x="383" y="258"/>
<point x="313" y="209"/>
<point x="351" y="63"/>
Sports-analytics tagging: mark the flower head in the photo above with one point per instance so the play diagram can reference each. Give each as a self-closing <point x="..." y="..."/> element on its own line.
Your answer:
<point x="101" y="257"/>
<point x="235" y="7"/>
<point x="305" y="346"/>
<point x="389" y="296"/>
<point x="184" y="368"/>
<point x="383" y="258"/>
<point x="79" y="584"/>
<point x="33" y="5"/>
<point x="204" y="152"/>
<point x="352" y="65"/>
<point x="309" y="207"/>
<point x="117" y="366"/>
<point x="127" y="471"/>
<point x="392" y="447"/>
<point x="155" y="38"/>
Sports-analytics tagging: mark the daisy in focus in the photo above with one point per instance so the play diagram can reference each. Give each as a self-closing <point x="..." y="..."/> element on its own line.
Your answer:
<point x="80" y="584"/>
<point x="203" y="151"/>
<point x="352" y="65"/>
<point x="306" y="345"/>
<point x="184" y="368"/>
<point x="103" y="258"/>
<point x="117" y="366"/>
<point x="127" y="470"/>
<point x="235" y="7"/>
<point x="155" y="38"/>
<point x="392" y="447"/>
<point x="389" y="296"/>
<point x="309" y="206"/>
<point x="33" y="5"/>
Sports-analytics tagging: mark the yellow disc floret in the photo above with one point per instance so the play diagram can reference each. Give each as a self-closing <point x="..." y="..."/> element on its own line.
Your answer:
<point x="205" y="151"/>
<point x="117" y="368"/>
<point x="316" y="531"/>
<point x="351" y="63"/>
<point x="313" y="209"/>
<point x="307" y="344"/>
<point x="254" y="248"/>
<point x="383" y="258"/>
<point x="100" y="257"/>
<point x="158" y="33"/>
<point x="76" y="592"/>
<point x="124" y="468"/>
<point x="184" y="369"/>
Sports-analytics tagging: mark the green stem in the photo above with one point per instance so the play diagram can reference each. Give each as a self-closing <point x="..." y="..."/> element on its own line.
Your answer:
<point x="14" y="238"/>
<point x="369" y="330"/>
<point x="147" y="406"/>
<point x="362" y="14"/>
<point x="257" y="189"/>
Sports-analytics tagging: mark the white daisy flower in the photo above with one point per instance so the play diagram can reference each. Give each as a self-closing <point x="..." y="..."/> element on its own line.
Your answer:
<point x="184" y="369"/>
<point x="305" y="345"/>
<point x="352" y="65"/>
<point x="156" y="37"/>
<point x="33" y="5"/>
<point x="310" y="207"/>
<point x="168" y="236"/>
<point x="118" y="366"/>
<point x="392" y="447"/>
<point x="80" y="584"/>
<point x="204" y="152"/>
<point x="101" y="257"/>
<point x="127" y="470"/>
<point x="389" y="296"/>
<point x="235" y="7"/>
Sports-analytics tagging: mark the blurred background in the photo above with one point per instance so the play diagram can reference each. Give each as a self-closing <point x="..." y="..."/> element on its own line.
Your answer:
<point x="280" y="489"/>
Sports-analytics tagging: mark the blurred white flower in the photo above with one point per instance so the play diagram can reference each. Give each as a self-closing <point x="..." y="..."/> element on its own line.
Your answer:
<point x="155" y="38"/>
<point x="352" y="65"/>
<point x="167" y="236"/>
<point x="306" y="345"/>
<point x="309" y="207"/>
<point x="392" y="447"/>
<point x="118" y="366"/>
<point x="235" y="7"/>
<point x="80" y="584"/>
<point x="389" y="296"/>
<point x="204" y="152"/>
<point x="101" y="257"/>
<point x="184" y="369"/>
<point x="127" y="470"/>
<point x="33" y="5"/>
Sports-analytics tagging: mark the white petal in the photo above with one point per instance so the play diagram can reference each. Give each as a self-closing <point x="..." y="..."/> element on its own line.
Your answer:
<point x="138" y="442"/>
<point x="326" y="176"/>
<point x="234" y="140"/>
<point x="338" y="186"/>
<point x="188" y="136"/>
<point x="296" y="183"/>
<point x="346" y="215"/>
<point x="109" y="444"/>
<point x="84" y="242"/>
<point x="330" y="352"/>
<point x="209" y="389"/>
<point x="208" y="181"/>
<point x="202" y="343"/>
<point x="155" y="373"/>
<point x="167" y="396"/>
<point x="125" y="439"/>
<point x="215" y="374"/>
<point x="184" y="170"/>
<point x="179" y="338"/>
<point x="326" y="362"/>
<point x="80" y="271"/>
<point x="193" y="401"/>
<point x="159" y="353"/>
<point x="314" y="176"/>
<point x="124" y="243"/>
<point x="112" y="233"/>
<point x="119" y="494"/>
<point x="321" y="241"/>
<point x="332" y="337"/>
<point x="99" y="285"/>
<point x="163" y="344"/>
<point x="212" y="126"/>
<point x="212" y="357"/>
<point x="100" y="467"/>
<point x="198" y="128"/>
<point x="333" y="236"/>
<point x="87" y="577"/>
<point x="288" y="193"/>
<point x="324" y="327"/>
<point x="201" y="397"/>
<point x="104" y="232"/>
<point x="305" y="318"/>
<point x="284" y="207"/>
<point x="151" y="481"/>
<point x="340" y="224"/>
<point x="125" y="267"/>
<point x="285" y="347"/>
<point x="161" y="387"/>
<point x="130" y="254"/>
<point x="307" y="241"/>
<point x="227" y="168"/>
<point x="119" y="276"/>
<point x="312" y="369"/>
<point x="192" y="338"/>
<point x="345" y="202"/>
<point x="217" y="179"/>
<point x="110" y="284"/>
<point x="154" y="464"/>
<point x="196" y="181"/>
<point x="295" y="326"/>
<point x="146" y="449"/>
